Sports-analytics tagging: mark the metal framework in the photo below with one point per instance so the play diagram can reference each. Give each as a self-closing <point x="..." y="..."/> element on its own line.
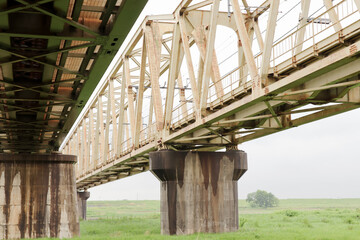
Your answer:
<point x="52" y="55"/>
<point x="146" y="105"/>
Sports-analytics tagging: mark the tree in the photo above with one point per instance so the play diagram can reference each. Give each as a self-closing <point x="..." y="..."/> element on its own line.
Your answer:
<point x="262" y="198"/>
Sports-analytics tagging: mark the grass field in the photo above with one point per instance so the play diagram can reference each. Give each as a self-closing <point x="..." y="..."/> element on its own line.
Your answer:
<point x="315" y="219"/>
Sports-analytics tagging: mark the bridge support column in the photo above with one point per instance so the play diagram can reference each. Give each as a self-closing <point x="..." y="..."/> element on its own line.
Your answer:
<point x="198" y="190"/>
<point x="38" y="196"/>
<point x="82" y="198"/>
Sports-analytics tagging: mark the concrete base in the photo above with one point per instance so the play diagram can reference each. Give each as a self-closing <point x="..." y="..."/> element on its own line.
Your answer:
<point x="82" y="198"/>
<point x="198" y="190"/>
<point x="38" y="196"/>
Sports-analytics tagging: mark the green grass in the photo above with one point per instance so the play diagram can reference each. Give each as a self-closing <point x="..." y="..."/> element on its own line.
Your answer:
<point x="116" y="209"/>
<point x="315" y="219"/>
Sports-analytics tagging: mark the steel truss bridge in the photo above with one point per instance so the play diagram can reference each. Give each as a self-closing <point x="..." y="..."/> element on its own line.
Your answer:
<point x="168" y="89"/>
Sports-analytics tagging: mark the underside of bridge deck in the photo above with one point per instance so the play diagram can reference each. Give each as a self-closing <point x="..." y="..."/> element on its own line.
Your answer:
<point x="52" y="55"/>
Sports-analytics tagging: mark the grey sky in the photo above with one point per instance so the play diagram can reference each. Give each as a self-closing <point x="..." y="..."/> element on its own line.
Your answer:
<point x="317" y="160"/>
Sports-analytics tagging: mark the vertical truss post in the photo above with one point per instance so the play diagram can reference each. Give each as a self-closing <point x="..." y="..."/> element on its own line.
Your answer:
<point x="209" y="56"/>
<point x="245" y="42"/>
<point x="182" y="96"/>
<point x="120" y="131"/>
<point x="200" y="75"/>
<point x="332" y="14"/>
<point x="101" y="125"/>
<point x="96" y="146"/>
<point x="70" y="149"/>
<point x="92" y="137"/>
<point x="140" y="97"/>
<point x="173" y="71"/>
<point x="130" y="96"/>
<point x="83" y="146"/>
<point x="128" y="142"/>
<point x="121" y="115"/>
<point x="72" y="144"/>
<point x="258" y="35"/>
<point x="153" y="46"/>
<point x="113" y="116"/>
<point x="269" y="39"/>
<point x="107" y="126"/>
<point x="151" y="109"/>
<point x="81" y="152"/>
<point x="189" y="63"/>
<point x="142" y="134"/>
<point x="305" y="6"/>
<point x="88" y="143"/>
<point x="77" y="151"/>
<point x="243" y="71"/>
<point x="200" y="40"/>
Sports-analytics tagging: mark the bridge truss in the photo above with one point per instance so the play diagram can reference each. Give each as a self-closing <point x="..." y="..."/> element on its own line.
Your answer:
<point x="147" y="104"/>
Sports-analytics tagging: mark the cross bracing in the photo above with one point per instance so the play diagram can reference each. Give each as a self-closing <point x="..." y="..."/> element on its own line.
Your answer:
<point x="169" y="89"/>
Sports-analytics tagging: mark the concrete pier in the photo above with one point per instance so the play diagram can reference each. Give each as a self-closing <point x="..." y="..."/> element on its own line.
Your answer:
<point x="82" y="198"/>
<point x="38" y="196"/>
<point x="198" y="190"/>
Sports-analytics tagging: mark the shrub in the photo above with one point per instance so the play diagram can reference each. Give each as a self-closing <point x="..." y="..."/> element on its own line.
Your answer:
<point x="325" y="220"/>
<point x="262" y="199"/>
<point x="307" y="223"/>
<point x="242" y="222"/>
<point x="349" y="221"/>
<point x="291" y="213"/>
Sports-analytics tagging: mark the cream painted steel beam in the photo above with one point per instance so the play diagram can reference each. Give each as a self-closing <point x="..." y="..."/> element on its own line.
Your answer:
<point x="173" y="74"/>
<point x="357" y="3"/>
<point x="120" y="137"/>
<point x="269" y="39"/>
<point x="130" y="96"/>
<point x="140" y="96"/>
<point x="107" y="126"/>
<point x="258" y="34"/>
<point x="333" y="15"/>
<point x="261" y="9"/>
<point x="153" y="46"/>
<point x="190" y="66"/>
<point x="305" y="7"/>
<point x="246" y="45"/>
<point x="209" y="56"/>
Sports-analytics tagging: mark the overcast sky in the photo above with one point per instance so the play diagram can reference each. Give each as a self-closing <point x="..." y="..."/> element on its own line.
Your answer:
<point x="317" y="160"/>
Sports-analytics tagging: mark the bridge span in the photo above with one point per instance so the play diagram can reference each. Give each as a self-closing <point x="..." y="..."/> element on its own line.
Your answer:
<point x="169" y="92"/>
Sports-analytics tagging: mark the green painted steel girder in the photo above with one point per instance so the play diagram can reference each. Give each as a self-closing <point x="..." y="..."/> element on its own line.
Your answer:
<point x="126" y="17"/>
<point x="35" y="100"/>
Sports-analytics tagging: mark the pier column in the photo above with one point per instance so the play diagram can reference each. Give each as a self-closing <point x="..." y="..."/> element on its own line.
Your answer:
<point x="82" y="198"/>
<point x="198" y="190"/>
<point x="38" y="196"/>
